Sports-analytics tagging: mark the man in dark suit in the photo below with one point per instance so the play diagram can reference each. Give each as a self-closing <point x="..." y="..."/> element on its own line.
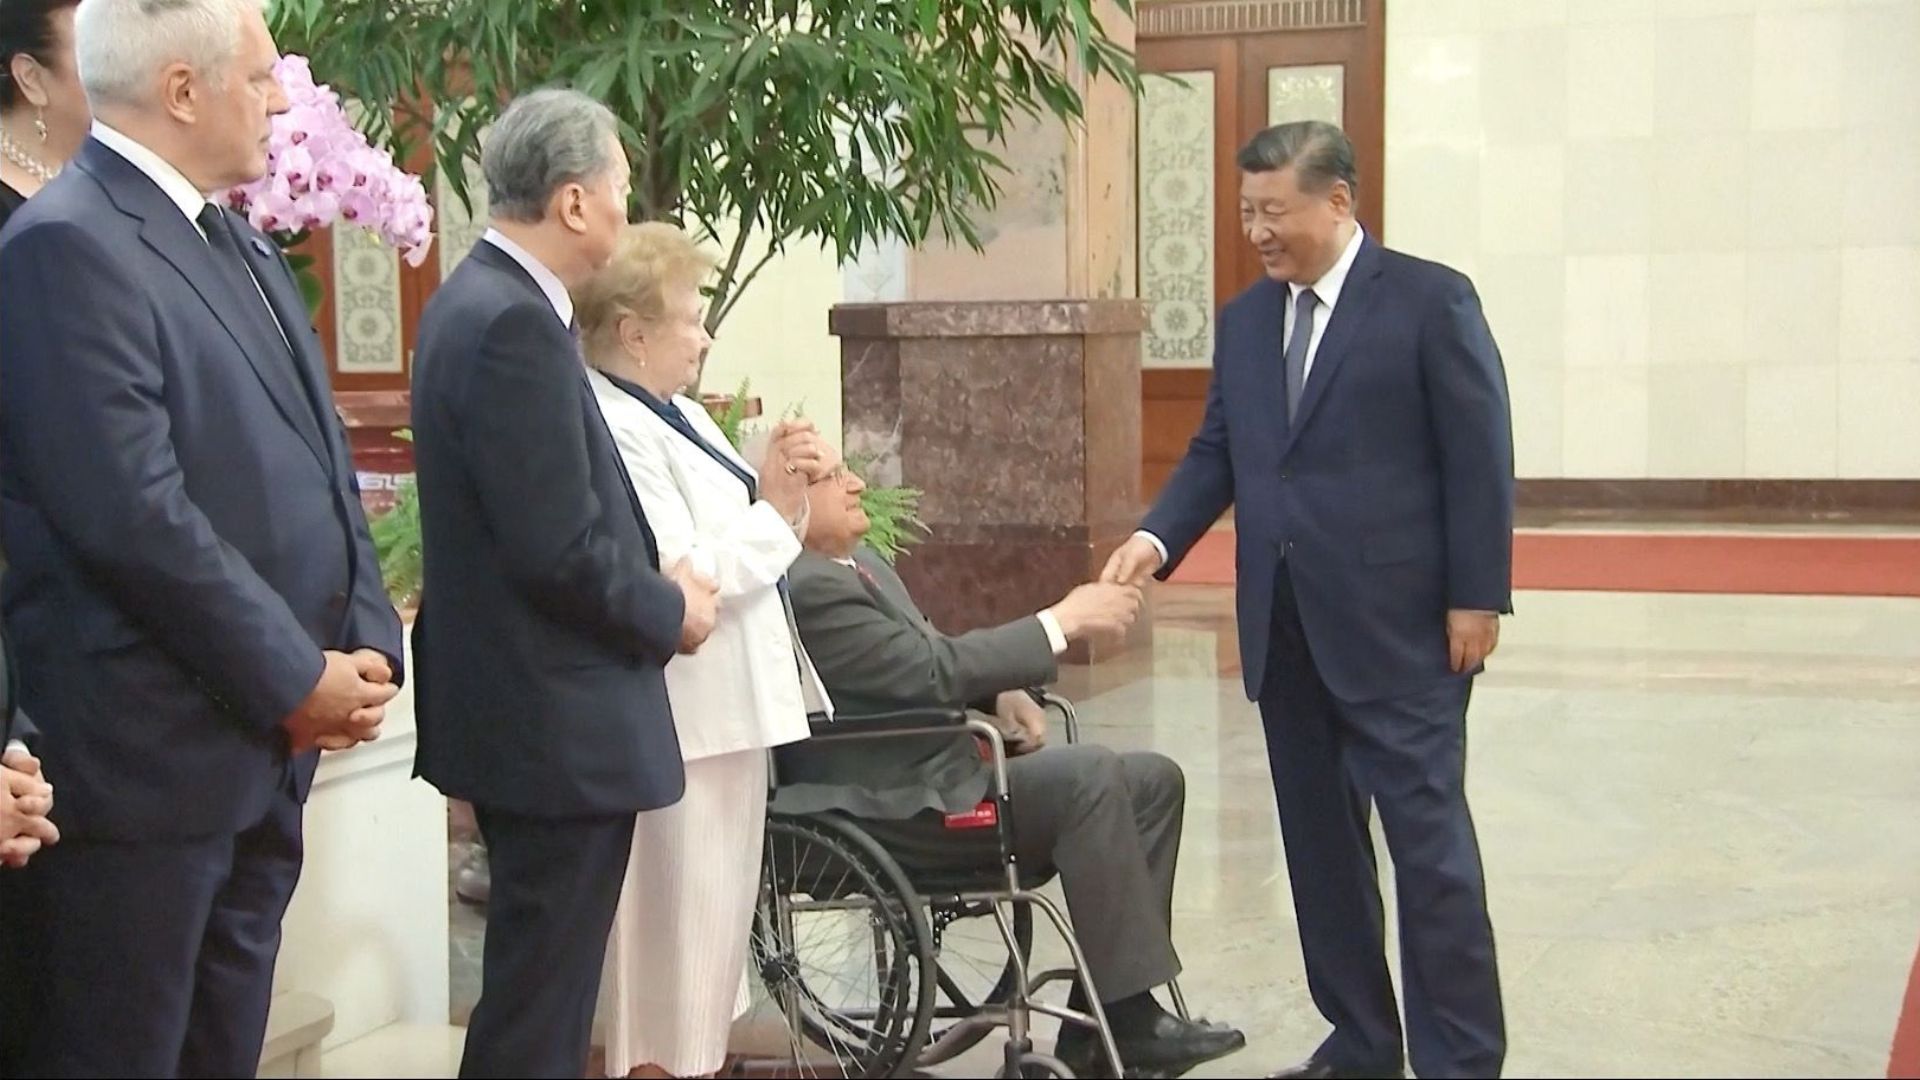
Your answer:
<point x="545" y="623"/>
<point x="1358" y="423"/>
<point x="192" y="590"/>
<point x="1109" y="822"/>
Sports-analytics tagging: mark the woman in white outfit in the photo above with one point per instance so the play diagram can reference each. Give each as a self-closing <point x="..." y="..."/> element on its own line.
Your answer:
<point x="677" y="957"/>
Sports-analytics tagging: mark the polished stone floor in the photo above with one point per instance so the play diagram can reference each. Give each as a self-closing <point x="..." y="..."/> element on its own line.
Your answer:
<point x="1698" y="815"/>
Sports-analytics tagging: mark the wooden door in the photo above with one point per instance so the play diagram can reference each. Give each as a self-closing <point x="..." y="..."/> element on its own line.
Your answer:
<point x="1231" y="68"/>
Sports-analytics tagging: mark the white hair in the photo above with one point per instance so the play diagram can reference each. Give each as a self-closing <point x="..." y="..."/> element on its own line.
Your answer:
<point x="121" y="46"/>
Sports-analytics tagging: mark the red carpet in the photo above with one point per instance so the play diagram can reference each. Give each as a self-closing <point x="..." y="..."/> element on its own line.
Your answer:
<point x="1904" y="1064"/>
<point x="1817" y="565"/>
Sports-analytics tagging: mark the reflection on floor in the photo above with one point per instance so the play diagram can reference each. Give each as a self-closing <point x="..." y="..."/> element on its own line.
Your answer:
<point x="1697" y="814"/>
<point x="1785" y="560"/>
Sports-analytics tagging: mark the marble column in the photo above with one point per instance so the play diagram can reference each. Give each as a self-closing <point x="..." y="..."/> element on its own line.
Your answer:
<point x="1005" y="383"/>
<point x="1020" y="420"/>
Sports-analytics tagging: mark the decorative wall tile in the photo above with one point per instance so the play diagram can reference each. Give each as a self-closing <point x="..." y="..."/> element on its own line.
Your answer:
<point x="366" y="299"/>
<point x="1176" y="219"/>
<point x="1307" y="92"/>
<point x="459" y="228"/>
<point x="366" y="292"/>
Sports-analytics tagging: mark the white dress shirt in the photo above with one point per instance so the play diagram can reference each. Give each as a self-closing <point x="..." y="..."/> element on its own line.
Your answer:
<point x="177" y="188"/>
<point x="1327" y="292"/>
<point x="548" y="281"/>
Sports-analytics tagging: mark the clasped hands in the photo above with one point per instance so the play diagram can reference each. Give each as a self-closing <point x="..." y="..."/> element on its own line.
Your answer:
<point x="794" y="459"/>
<point x="346" y="706"/>
<point x="1471" y="635"/>
<point x="26" y="806"/>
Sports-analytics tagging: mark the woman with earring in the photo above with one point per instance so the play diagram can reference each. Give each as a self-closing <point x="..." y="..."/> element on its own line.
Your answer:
<point x="675" y="977"/>
<point x="43" y="111"/>
<point x="43" y="120"/>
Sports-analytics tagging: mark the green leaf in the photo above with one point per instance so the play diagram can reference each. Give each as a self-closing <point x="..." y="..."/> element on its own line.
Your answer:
<point x="841" y="122"/>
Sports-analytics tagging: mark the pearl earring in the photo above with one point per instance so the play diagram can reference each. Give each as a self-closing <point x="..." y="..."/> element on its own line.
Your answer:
<point x="40" y="123"/>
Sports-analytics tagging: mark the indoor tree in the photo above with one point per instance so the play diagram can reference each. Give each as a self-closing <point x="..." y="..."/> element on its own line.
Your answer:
<point x="756" y="122"/>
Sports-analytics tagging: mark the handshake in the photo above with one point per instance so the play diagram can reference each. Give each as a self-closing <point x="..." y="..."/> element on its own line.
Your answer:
<point x="1109" y="606"/>
<point x="1098" y="609"/>
<point x="1106" y="608"/>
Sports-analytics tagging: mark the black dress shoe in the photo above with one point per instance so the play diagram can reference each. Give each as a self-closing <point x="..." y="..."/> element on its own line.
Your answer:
<point x="1168" y="1047"/>
<point x="1315" y="1069"/>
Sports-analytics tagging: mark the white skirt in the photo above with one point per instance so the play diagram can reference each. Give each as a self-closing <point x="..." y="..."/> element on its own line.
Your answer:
<point x="676" y="969"/>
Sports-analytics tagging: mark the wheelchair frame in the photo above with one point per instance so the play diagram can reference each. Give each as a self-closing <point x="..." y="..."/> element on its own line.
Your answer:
<point x="1015" y="1012"/>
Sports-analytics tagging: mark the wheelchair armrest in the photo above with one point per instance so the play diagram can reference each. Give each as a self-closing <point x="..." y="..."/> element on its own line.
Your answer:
<point x="930" y="720"/>
<point x="1069" y="719"/>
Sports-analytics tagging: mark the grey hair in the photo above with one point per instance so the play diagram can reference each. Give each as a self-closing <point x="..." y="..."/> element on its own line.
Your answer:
<point x="1319" y="152"/>
<point x="542" y="142"/>
<point x="121" y="46"/>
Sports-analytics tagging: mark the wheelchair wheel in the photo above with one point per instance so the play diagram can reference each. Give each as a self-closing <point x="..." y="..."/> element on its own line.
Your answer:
<point x="1037" y="1066"/>
<point x="841" y="944"/>
<point x="972" y="969"/>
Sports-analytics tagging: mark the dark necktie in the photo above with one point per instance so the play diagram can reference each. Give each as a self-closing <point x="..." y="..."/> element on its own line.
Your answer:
<point x="277" y="360"/>
<point x="1297" y="344"/>
<point x="233" y="267"/>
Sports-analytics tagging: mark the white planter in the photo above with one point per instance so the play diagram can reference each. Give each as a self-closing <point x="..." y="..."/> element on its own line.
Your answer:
<point x="367" y="928"/>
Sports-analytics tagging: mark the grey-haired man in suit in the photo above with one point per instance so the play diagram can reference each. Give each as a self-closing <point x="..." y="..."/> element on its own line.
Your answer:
<point x="1109" y="822"/>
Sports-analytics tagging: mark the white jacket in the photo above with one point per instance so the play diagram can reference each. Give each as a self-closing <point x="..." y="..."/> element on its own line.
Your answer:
<point x="742" y="690"/>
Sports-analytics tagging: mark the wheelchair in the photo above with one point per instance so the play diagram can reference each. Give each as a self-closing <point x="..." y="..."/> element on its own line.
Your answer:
<point x="889" y="968"/>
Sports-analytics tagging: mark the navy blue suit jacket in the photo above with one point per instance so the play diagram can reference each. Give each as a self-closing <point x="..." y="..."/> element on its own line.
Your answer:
<point x="1389" y="499"/>
<point x="545" y="626"/>
<point x="181" y="518"/>
<point x="13" y="723"/>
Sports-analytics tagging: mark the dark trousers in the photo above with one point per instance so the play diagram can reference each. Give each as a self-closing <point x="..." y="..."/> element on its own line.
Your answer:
<point x="555" y="885"/>
<point x="1330" y="760"/>
<point x="146" y="958"/>
<point x="1110" y="824"/>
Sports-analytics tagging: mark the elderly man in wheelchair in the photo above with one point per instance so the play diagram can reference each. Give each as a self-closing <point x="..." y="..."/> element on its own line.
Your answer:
<point x="968" y="817"/>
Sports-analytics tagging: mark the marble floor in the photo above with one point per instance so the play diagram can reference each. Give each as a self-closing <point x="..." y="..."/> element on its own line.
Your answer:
<point x="1697" y="812"/>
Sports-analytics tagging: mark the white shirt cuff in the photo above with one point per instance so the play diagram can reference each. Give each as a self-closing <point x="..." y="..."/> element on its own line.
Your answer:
<point x="1158" y="545"/>
<point x="15" y="744"/>
<point x="1055" y="636"/>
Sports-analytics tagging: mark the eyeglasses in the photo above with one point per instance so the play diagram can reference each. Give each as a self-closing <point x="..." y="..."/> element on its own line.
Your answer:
<point x="840" y="475"/>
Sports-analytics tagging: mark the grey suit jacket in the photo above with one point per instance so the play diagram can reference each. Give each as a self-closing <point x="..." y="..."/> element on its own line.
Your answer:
<point x="876" y="652"/>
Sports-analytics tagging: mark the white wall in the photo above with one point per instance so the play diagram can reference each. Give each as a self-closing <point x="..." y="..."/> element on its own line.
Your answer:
<point x="777" y="337"/>
<point x="367" y="927"/>
<point x="1695" y="223"/>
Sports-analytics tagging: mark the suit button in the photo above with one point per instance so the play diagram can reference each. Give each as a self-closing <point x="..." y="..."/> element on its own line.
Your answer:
<point x="337" y="602"/>
<point x="1286" y="474"/>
